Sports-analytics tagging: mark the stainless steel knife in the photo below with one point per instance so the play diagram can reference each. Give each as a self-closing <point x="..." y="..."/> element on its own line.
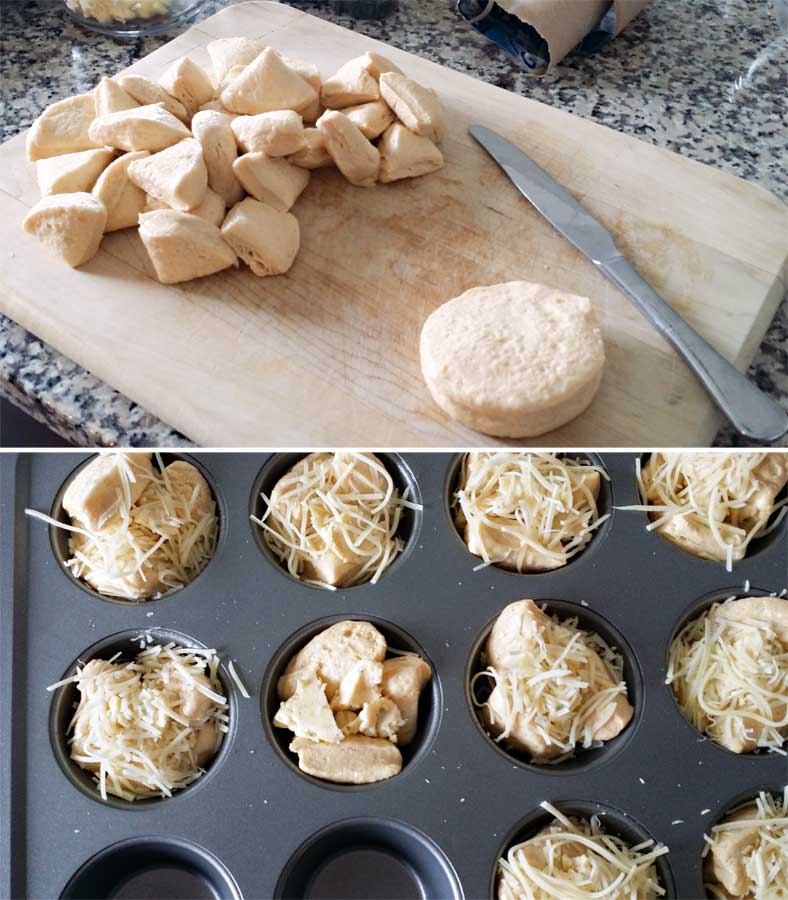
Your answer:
<point x="753" y="413"/>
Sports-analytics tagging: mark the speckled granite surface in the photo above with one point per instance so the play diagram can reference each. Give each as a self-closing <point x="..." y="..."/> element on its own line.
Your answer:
<point x="703" y="77"/>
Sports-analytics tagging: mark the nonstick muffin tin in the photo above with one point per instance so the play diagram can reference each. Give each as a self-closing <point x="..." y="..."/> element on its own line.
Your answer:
<point x="254" y="826"/>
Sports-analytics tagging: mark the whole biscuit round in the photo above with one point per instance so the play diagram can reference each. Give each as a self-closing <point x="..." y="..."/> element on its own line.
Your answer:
<point x="513" y="360"/>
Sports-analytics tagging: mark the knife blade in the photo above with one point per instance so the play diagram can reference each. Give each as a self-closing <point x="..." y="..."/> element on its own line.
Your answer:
<point x="752" y="413"/>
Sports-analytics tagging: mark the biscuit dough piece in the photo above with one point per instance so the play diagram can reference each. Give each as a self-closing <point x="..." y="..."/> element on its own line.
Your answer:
<point x="188" y="83"/>
<point x="381" y="718"/>
<point x="267" y="85"/>
<point x="110" y="97"/>
<point x="416" y="107"/>
<point x="177" y="176"/>
<point x="359" y="686"/>
<point x="513" y="360"/>
<point x="272" y="181"/>
<point x="130" y="585"/>
<point x="404" y="154"/>
<point x="147" y="92"/>
<point x="311" y="75"/>
<point x="275" y="134"/>
<point x="63" y="127"/>
<point x="313" y="153"/>
<point x="228" y="52"/>
<point x="357" y="759"/>
<point x="70" y="225"/>
<point x="333" y="653"/>
<point x="307" y="713"/>
<point x="231" y="75"/>
<point x="149" y="128"/>
<point x="726" y="862"/>
<point x="72" y="172"/>
<point x="266" y="239"/>
<point x="219" y="150"/>
<point x="376" y="65"/>
<point x="350" y="85"/>
<point x="355" y="157"/>
<point x="211" y="209"/>
<point x="122" y="198"/>
<point x="182" y="246"/>
<point x="99" y="490"/>
<point x="404" y="678"/>
<point x="372" y="118"/>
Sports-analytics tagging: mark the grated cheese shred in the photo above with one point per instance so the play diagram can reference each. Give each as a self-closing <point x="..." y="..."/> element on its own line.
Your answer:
<point x="721" y="499"/>
<point x="148" y="727"/>
<point x="761" y="864"/>
<point x="575" y="859"/>
<point x="730" y="678"/>
<point x="335" y="511"/>
<point x="526" y="511"/>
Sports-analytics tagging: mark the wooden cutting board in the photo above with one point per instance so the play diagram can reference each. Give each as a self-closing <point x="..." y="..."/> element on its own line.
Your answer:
<point x="328" y="354"/>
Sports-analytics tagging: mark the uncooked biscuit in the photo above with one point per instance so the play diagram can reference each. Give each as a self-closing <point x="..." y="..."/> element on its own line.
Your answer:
<point x="513" y="360"/>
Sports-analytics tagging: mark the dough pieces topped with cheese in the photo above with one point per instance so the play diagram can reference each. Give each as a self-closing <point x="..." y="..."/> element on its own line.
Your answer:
<point x="513" y="360"/>
<point x="350" y="707"/>
<point x="543" y="709"/>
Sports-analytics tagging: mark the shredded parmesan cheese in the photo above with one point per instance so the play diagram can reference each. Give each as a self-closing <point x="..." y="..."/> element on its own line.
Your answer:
<point x="526" y="511"/>
<point x="558" y="686"/>
<point x="156" y="545"/>
<point x="713" y="504"/>
<point x="332" y="520"/>
<point x="748" y="851"/>
<point x="147" y="728"/>
<point x="730" y="677"/>
<point x="574" y="859"/>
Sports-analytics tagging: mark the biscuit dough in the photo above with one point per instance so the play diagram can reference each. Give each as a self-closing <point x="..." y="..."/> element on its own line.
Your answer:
<point x="513" y="360"/>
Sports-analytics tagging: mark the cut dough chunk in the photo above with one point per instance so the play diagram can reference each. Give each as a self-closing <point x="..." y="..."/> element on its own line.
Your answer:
<point x="513" y="360"/>
<point x="307" y="713"/>
<point x="182" y="246"/>
<point x="177" y="176"/>
<point x="188" y="83"/>
<point x="332" y="654"/>
<point x="266" y="239"/>
<point x="148" y="92"/>
<point x="404" y="678"/>
<point x="149" y="128"/>
<point x="211" y="209"/>
<point x="70" y="225"/>
<point x="311" y="75"/>
<point x="416" y="107"/>
<point x="122" y="198"/>
<point x="63" y="127"/>
<point x="359" y="686"/>
<point x="98" y="490"/>
<point x="275" y="134"/>
<point x="313" y="153"/>
<point x="267" y="85"/>
<point x="72" y="172"/>
<point x="372" y="118"/>
<point x="404" y="154"/>
<point x="727" y="861"/>
<point x="376" y="65"/>
<point x="187" y="488"/>
<point x="214" y="132"/>
<point x="228" y="52"/>
<point x="350" y="85"/>
<point x="231" y="75"/>
<point x="355" y="760"/>
<point x="272" y="181"/>
<point x="381" y="718"/>
<point x="355" y="157"/>
<point x="110" y="97"/>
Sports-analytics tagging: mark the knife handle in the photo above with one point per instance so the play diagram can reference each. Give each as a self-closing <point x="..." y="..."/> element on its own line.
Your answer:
<point x="754" y="414"/>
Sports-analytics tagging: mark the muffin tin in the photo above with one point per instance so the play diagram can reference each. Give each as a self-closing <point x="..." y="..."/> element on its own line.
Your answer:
<point x="254" y="826"/>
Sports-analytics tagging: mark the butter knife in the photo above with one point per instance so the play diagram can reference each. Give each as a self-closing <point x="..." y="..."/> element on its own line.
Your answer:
<point x="752" y="413"/>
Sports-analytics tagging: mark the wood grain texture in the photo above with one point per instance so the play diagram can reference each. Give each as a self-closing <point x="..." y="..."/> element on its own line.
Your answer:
<point x="328" y="354"/>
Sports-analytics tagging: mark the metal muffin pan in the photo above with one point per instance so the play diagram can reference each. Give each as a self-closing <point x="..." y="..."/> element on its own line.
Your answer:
<point x="254" y="826"/>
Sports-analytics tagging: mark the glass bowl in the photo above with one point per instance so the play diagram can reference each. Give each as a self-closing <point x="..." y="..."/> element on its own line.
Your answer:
<point x="132" y="18"/>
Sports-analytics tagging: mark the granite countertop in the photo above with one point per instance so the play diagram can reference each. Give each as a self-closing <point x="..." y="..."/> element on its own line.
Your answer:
<point x="709" y="83"/>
